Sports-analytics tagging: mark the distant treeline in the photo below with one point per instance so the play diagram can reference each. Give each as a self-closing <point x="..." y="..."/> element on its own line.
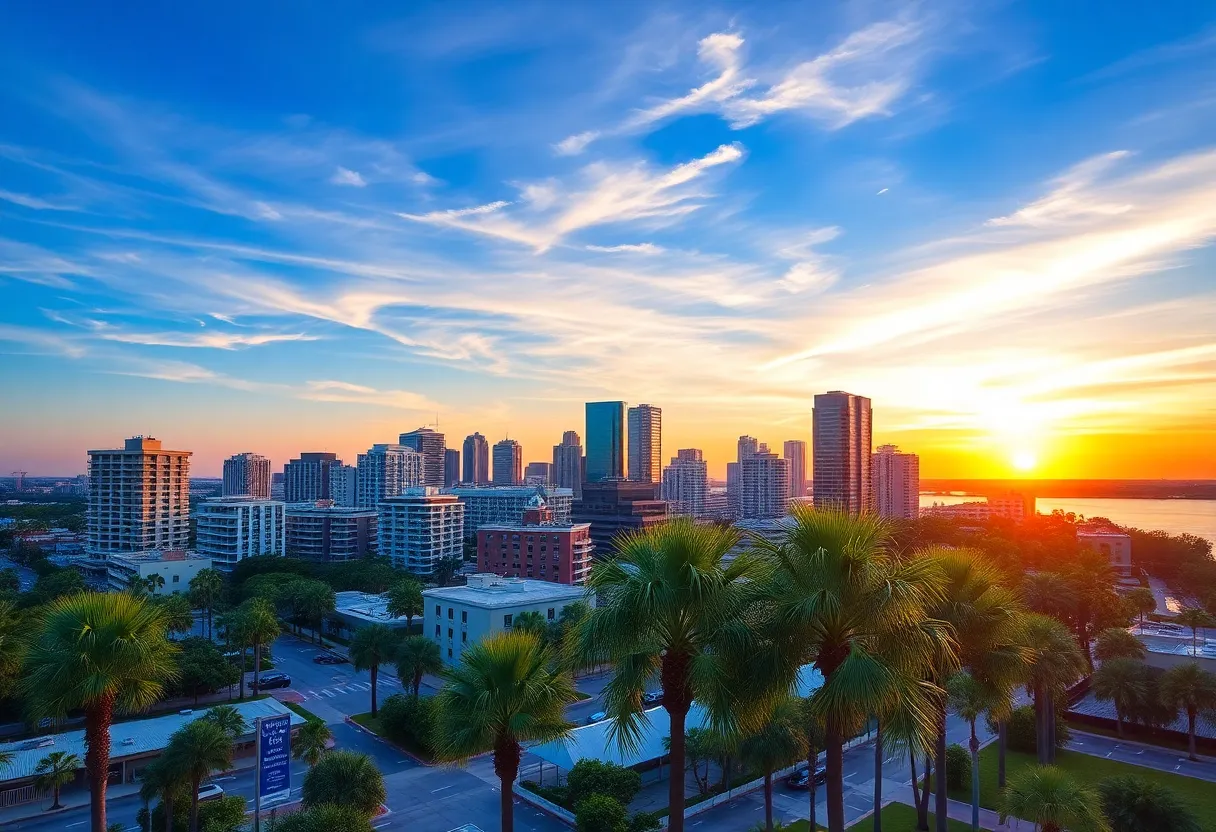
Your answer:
<point x="1111" y="489"/>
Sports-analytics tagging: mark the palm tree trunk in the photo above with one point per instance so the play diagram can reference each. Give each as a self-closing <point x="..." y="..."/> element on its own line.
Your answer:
<point x="97" y="721"/>
<point x="675" y="784"/>
<point x="1002" y="741"/>
<point x="506" y="766"/>
<point x="768" y="801"/>
<point x="922" y="811"/>
<point x="1050" y="717"/>
<point x="833" y="744"/>
<point x="975" y="779"/>
<point x="1119" y="721"/>
<point x="1040" y="724"/>
<point x="194" y="805"/>
<point x="55" y="805"/>
<point x="417" y="683"/>
<point x="812" y="759"/>
<point x="941" y="808"/>
<point x="257" y="672"/>
<point x="375" y="670"/>
<point x="1190" y="734"/>
<point x="166" y="803"/>
<point x="877" y="778"/>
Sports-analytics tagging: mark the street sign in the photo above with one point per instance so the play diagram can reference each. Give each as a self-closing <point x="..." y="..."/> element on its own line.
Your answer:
<point x="274" y="758"/>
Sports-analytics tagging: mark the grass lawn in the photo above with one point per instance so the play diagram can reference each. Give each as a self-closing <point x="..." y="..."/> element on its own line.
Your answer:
<point x="301" y="710"/>
<point x="1200" y="794"/>
<point x="582" y="696"/>
<point x="896" y="817"/>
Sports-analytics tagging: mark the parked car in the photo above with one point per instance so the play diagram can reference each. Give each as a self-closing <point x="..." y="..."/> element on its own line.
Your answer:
<point x="652" y="698"/>
<point x="598" y="716"/>
<point x="274" y="680"/>
<point x="209" y="791"/>
<point x="799" y="779"/>
<point x="330" y="658"/>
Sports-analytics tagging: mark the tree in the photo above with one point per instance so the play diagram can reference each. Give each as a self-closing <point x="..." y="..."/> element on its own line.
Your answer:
<point x="101" y="653"/>
<point x="970" y="699"/>
<point x="589" y="776"/>
<point x="700" y="746"/>
<point x="1134" y="804"/>
<point x="371" y="646"/>
<point x="416" y="656"/>
<point x="345" y="778"/>
<point x="531" y="621"/>
<point x="12" y="647"/>
<point x="228" y="719"/>
<point x="665" y="599"/>
<point x="812" y="729"/>
<point x="1143" y="602"/>
<point x="10" y="580"/>
<point x="1196" y="619"/>
<point x="1191" y="689"/>
<point x="329" y="817"/>
<point x="178" y="615"/>
<point x="780" y="742"/>
<point x="311" y="741"/>
<point x="505" y="691"/>
<point x="162" y="781"/>
<point x="1052" y="799"/>
<point x="1118" y="643"/>
<point x="841" y="599"/>
<point x="195" y="750"/>
<point x="260" y="626"/>
<point x="1120" y="681"/>
<point x="312" y="601"/>
<point x="205" y="589"/>
<point x="1055" y="663"/>
<point x="446" y="568"/>
<point x="55" y="771"/>
<point x="405" y="600"/>
<point x="600" y="813"/>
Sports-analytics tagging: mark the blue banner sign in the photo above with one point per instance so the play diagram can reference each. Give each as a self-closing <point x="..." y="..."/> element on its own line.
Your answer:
<point x="274" y="758"/>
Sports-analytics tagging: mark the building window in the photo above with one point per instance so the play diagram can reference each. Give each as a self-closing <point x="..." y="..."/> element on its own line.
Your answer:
<point x="438" y="610"/>
<point x="176" y="578"/>
<point x="451" y="613"/>
<point x="551" y="613"/>
<point x="506" y="621"/>
<point x="438" y="630"/>
<point x="464" y="616"/>
<point x="464" y="637"/>
<point x="450" y="632"/>
<point x="449" y="652"/>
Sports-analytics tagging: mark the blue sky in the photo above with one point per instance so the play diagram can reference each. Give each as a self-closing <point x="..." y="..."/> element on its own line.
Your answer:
<point x="285" y="227"/>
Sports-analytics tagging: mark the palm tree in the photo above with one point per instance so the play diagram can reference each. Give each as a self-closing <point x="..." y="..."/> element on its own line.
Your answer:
<point x="839" y="598"/>
<point x="780" y="742"/>
<point x="1193" y="689"/>
<point x="229" y="719"/>
<point x="195" y="750"/>
<point x="1196" y="619"/>
<point x="101" y="653"/>
<point x="178" y="615"/>
<point x="1055" y="663"/>
<point x="665" y="599"/>
<point x="311" y="741"/>
<point x="405" y="600"/>
<point x="371" y="646"/>
<point x="533" y="622"/>
<point x="1052" y="800"/>
<point x="346" y="778"/>
<point x="314" y="600"/>
<point x="162" y="781"/>
<point x="154" y="582"/>
<point x="260" y="626"/>
<point x="417" y="656"/>
<point x="1118" y="643"/>
<point x="812" y="729"/>
<point x="1120" y="681"/>
<point x="504" y="691"/>
<point x="970" y="699"/>
<point x="55" y="771"/>
<point x="1143" y="602"/>
<point x="205" y="589"/>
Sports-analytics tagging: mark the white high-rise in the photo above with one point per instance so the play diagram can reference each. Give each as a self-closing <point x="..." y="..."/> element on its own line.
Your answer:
<point x="385" y="471"/>
<point x="139" y="499"/>
<point x="421" y="527"/>
<point x="247" y="475"/>
<point x="896" y="478"/>
<point x="795" y="455"/>
<point x="841" y="428"/>
<point x="230" y="529"/>
<point x="686" y="483"/>
<point x="764" y="487"/>
<point x="645" y="443"/>
<point x="344" y="485"/>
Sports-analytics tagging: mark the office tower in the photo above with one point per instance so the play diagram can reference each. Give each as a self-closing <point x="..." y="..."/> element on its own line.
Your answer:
<point x="538" y="473"/>
<point x="306" y="479"/>
<point x="277" y="488"/>
<point x="536" y="547"/>
<point x="645" y="443"/>
<point x="139" y="498"/>
<point x="421" y="527"/>
<point x="508" y="463"/>
<point x="506" y="504"/>
<point x="795" y="455"/>
<point x="841" y="430"/>
<point x="343" y="485"/>
<point x="896" y="479"/>
<point x="230" y="529"/>
<point x="247" y="475"/>
<point x="748" y="446"/>
<point x="764" y="487"/>
<point x="686" y="483"/>
<point x="567" y="469"/>
<point x="386" y="471"/>
<point x="605" y="441"/>
<point x="431" y="444"/>
<point x="476" y="460"/>
<point x="451" y="467"/>
<point x="331" y="533"/>
<point x="615" y="507"/>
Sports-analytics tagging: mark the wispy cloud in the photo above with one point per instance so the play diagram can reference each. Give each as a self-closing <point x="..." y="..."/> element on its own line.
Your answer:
<point x="628" y="248"/>
<point x="346" y="176"/>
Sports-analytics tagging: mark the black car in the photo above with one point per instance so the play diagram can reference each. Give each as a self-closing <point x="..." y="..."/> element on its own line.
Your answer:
<point x="273" y="680"/>
<point x="799" y="779"/>
<point x="652" y="698"/>
<point x="329" y="658"/>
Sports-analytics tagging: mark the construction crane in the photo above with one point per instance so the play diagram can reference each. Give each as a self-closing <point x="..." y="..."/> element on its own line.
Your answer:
<point x="20" y="477"/>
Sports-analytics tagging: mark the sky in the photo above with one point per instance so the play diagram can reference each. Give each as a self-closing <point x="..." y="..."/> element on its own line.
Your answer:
<point x="312" y="226"/>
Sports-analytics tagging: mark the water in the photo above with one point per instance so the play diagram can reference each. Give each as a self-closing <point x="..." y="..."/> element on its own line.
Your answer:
<point x="1197" y="517"/>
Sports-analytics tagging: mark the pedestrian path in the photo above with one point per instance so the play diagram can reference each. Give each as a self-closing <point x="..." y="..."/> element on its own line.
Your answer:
<point x="957" y="810"/>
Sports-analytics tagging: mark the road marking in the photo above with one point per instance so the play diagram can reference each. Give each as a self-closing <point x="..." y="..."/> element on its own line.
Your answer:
<point x="78" y="823"/>
<point x="312" y="693"/>
<point x="1108" y="753"/>
<point x="327" y="693"/>
<point x="441" y="788"/>
<point x="1177" y="767"/>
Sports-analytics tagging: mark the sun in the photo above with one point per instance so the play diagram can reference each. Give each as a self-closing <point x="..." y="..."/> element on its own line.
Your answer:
<point x="1024" y="460"/>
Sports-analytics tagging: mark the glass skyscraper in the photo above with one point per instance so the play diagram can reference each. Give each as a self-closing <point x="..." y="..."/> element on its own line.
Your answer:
<point x="605" y="441"/>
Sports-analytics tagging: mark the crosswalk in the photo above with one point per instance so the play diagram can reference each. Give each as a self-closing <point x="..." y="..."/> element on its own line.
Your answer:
<point x="348" y="688"/>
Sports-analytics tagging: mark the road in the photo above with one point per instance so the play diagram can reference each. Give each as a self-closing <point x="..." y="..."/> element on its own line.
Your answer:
<point x="1161" y="759"/>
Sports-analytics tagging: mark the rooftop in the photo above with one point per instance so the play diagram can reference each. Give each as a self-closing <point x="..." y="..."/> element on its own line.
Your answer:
<point x="363" y="606"/>
<point x="492" y="591"/>
<point x="325" y="508"/>
<point x="158" y="556"/>
<point x="522" y="526"/>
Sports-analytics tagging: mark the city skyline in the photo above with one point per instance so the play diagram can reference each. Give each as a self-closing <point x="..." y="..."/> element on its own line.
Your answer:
<point x="996" y="223"/>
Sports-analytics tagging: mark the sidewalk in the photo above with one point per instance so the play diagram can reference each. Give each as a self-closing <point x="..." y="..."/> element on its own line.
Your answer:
<point x="957" y="810"/>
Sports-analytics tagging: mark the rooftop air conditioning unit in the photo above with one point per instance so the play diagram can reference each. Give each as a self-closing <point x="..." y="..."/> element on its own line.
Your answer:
<point x="129" y="741"/>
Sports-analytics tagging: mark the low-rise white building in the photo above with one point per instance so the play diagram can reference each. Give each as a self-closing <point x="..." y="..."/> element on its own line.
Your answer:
<point x="230" y="529"/>
<point x="421" y="527"/>
<point x="458" y="616"/>
<point x="1110" y="540"/>
<point x="175" y="566"/>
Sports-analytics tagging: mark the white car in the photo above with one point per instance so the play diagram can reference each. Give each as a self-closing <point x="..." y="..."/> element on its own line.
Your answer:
<point x="598" y="716"/>
<point x="209" y="791"/>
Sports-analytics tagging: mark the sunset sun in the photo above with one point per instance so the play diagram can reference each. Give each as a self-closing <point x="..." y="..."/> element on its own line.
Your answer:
<point x="1024" y="460"/>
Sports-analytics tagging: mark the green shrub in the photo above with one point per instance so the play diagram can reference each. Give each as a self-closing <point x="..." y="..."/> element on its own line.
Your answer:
<point x="958" y="767"/>
<point x="224" y="815"/>
<point x="589" y="777"/>
<point x="1022" y="735"/>
<point x="645" y="822"/>
<point x="601" y="813"/>
<point x="325" y="818"/>
<point x="1133" y="804"/>
<point x="409" y="721"/>
<point x="558" y="795"/>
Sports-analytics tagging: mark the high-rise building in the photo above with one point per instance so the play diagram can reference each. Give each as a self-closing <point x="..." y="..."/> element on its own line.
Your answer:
<point x="841" y="428"/>
<point x="386" y="471"/>
<point x="538" y="547"/>
<point x="306" y="479"/>
<point x="764" y="489"/>
<point x="508" y="463"/>
<point x="748" y="447"/>
<point x="896" y="479"/>
<point x="344" y="485"/>
<point x="685" y="483"/>
<point x="567" y="469"/>
<point x="451" y="467"/>
<point x="506" y="504"/>
<point x="618" y="506"/>
<point x="605" y="441"/>
<point x="139" y="499"/>
<point x="795" y="455"/>
<point x="324" y="532"/>
<point x="645" y="443"/>
<point x="476" y="460"/>
<point x="230" y="529"/>
<point x="538" y="473"/>
<point x="421" y="527"/>
<point x="431" y="444"/>
<point x="247" y="475"/>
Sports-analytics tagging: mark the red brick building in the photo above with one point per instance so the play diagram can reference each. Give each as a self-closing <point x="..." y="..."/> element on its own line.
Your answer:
<point x="537" y="547"/>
